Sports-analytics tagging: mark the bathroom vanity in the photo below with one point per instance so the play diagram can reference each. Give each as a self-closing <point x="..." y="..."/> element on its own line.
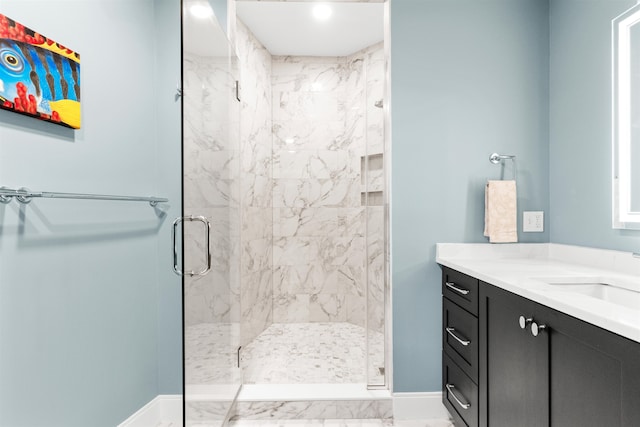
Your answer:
<point x="540" y="335"/>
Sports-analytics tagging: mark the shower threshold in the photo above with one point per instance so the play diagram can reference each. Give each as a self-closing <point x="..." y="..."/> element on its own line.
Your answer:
<point x="305" y="392"/>
<point x="209" y="405"/>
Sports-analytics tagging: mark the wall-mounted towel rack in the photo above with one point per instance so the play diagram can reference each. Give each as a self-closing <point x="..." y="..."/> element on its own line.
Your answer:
<point x="24" y="195"/>
<point x="496" y="158"/>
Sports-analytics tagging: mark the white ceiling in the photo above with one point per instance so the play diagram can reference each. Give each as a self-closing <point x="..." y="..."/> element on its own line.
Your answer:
<point x="289" y="28"/>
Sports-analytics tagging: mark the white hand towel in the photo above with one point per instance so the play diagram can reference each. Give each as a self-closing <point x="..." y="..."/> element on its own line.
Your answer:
<point x="500" y="212"/>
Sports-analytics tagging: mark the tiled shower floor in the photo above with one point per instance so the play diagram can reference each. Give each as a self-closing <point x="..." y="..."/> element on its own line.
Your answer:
<point x="310" y="353"/>
<point x="285" y="353"/>
<point x="298" y="353"/>
<point x="209" y="354"/>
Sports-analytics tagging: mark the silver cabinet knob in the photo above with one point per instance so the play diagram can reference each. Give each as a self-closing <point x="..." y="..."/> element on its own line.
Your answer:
<point x="524" y="321"/>
<point x="536" y="329"/>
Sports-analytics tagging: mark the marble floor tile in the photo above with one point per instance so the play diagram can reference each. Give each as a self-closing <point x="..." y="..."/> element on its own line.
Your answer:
<point x="209" y="354"/>
<point x="284" y="353"/>
<point x="310" y="353"/>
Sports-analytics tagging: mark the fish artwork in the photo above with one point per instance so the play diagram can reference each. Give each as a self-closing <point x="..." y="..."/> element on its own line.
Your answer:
<point x="38" y="77"/>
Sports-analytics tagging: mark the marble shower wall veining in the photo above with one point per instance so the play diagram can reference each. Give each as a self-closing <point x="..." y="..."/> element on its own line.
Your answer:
<point x="367" y="89"/>
<point x="318" y="251"/>
<point x="211" y="188"/>
<point x="374" y="187"/>
<point x="257" y="185"/>
<point x="320" y="128"/>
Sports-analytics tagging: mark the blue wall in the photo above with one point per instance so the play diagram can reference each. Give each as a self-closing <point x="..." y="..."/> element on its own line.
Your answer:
<point x="469" y="78"/>
<point x="169" y="179"/>
<point x="580" y="127"/>
<point x="85" y="294"/>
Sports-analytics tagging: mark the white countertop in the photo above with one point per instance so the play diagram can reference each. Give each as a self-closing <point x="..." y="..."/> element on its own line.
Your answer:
<point x="529" y="269"/>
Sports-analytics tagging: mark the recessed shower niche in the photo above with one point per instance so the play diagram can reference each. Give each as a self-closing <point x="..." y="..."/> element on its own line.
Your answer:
<point x="372" y="180"/>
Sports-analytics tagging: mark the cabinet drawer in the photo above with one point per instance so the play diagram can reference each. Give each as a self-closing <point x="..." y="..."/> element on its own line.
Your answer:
<point x="460" y="337"/>
<point x="461" y="289"/>
<point x="459" y="394"/>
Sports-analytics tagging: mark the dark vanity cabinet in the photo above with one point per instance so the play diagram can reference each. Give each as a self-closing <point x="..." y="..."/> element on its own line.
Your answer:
<point x="535" y="366"/>
<point x="594" y="374"/>
<point x="514" y="363"/>
<point x="460" y="346"/>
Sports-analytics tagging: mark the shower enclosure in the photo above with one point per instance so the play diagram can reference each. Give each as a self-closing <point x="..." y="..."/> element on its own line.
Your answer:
<point x="284" y="227"/>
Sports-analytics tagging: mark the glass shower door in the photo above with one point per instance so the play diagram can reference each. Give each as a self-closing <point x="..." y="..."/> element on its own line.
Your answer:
<point x="209" y="226"/>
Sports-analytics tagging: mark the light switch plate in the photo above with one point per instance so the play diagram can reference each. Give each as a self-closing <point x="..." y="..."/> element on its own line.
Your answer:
<point x="533" y="222"/>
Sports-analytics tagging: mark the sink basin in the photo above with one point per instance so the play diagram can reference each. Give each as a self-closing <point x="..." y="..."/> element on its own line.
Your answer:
<point x="623" y="294"/>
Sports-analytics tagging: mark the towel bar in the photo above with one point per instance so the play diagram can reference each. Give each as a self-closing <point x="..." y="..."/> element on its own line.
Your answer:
<point x="496" y="158"/>
<point x="24" y="195"/>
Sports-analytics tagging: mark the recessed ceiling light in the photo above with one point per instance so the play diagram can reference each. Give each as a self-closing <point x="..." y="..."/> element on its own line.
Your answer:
<point x="201" y="11"/>
<point x="322" y="11"/>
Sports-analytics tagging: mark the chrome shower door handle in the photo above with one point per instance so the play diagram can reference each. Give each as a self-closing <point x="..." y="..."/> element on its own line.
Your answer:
<point x="207" y="229"/>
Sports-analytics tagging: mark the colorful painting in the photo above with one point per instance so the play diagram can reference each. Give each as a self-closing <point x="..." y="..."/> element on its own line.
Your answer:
<point x="38" y="77"/>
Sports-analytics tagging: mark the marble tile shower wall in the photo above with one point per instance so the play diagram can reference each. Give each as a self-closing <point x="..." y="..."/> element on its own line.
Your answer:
<point x="319" y="126"/>
<point x="303" y="134"/>
<point x="374" y="183"/>
<point x="318" y="221"/>
<point x="257" y="187"/>
<point x="211" y="189"/>
<point x="354" y="128"/>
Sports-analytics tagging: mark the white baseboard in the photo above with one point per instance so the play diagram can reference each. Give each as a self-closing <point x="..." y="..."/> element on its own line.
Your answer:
<point x="419" y="406"/>
<point x="164" y="408"/>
